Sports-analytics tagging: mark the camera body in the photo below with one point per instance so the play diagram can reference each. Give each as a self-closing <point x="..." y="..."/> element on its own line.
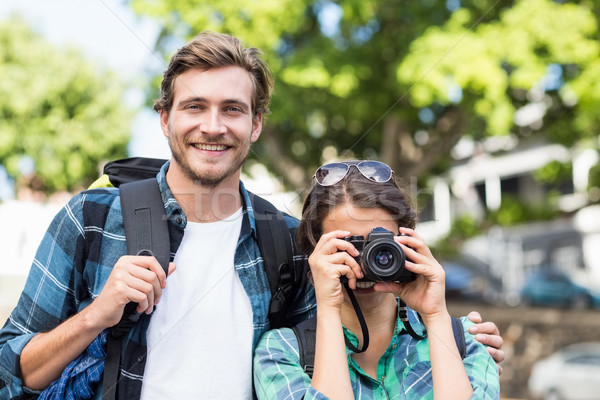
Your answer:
<point x="381" y="258"/>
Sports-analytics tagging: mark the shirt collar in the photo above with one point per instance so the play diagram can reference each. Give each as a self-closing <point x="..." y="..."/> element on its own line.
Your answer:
<point x="399" y="329"/>
<point x="176" y="215"/>
<point x="248" y="221"/>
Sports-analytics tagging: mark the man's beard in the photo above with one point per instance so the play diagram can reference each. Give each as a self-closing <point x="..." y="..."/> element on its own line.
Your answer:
<point x="209" y="179"/>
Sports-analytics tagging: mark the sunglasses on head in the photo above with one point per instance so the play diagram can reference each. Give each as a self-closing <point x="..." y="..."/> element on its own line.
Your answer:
<point x="332" y="173"/>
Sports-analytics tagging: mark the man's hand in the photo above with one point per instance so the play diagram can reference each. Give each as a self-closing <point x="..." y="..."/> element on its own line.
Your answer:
<point x="134" y="278"/>
<point x="488" y="334"/>
<point x="138" y="279"/>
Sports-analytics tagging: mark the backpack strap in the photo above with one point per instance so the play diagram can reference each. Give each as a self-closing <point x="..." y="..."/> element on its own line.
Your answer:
<point x="457" y="329"/>
<point x="145" y="220"/>
<point x="146" y="233"/>
<point x="306" y="333"/>
<point x="275" y="244"/>
<point x="459" y="337"/>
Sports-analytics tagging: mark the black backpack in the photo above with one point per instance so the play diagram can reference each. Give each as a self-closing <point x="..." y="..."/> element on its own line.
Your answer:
<point x="147" y="233"/>
<point x="306" y="333"/>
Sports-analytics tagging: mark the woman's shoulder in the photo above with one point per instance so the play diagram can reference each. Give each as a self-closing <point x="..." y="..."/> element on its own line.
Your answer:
<point x="282" y="337"/>
<point x="278" y="345"/>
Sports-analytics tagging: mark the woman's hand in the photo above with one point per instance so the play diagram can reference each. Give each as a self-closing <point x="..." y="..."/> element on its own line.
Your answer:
<point x="426" y="294"/>
<point x="331" y="259"/>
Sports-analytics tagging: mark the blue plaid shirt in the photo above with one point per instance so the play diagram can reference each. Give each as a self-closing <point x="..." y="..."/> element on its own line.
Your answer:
<point x="73" y="262"/>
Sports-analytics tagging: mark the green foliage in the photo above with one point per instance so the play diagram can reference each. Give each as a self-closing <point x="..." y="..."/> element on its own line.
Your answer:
<point x="361" y="89"/>
<point x="58" y="110"/>
<point x="594" y="184"/>
<point x="554" y="172"/>
<point x="514" y="212"/>
<point x="494" y="63"/>
<point x="463" y="228"/>
<point x="355" y="87"/>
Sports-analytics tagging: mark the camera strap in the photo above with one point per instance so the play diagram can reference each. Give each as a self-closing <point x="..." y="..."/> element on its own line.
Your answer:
<point x="361" y="320"/>
<point x="403" y="315"/>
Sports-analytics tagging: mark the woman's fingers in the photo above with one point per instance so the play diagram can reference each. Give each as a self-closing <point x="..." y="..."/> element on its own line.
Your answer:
<point x="332" y="249"/>
<point x="337" y="264"/>
<point x="411" y="239"/>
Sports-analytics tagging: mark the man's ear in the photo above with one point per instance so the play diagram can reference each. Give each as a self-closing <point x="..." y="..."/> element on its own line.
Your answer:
<point x="256" y="127"/>
<point x="164" y="122"/>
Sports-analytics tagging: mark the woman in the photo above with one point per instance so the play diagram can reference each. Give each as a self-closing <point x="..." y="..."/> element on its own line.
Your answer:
<point x="352" y="198"/>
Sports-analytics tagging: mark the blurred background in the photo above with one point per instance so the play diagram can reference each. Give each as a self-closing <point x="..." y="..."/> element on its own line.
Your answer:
<point x="486" y="110"/>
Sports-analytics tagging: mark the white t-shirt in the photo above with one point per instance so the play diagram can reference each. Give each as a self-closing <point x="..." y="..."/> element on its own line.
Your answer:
<point x="200" y="336"/>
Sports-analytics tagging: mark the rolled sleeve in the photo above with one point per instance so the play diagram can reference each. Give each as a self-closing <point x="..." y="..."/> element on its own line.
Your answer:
<point x="11" y="386"/>
<point x="481" y="367"/>
<point x="46" y="300"/>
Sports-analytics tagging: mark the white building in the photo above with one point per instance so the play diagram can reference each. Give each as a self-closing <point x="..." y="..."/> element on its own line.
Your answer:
<point x="476" y="186"/>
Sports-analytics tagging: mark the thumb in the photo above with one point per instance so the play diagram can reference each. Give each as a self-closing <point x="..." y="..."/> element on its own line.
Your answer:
<point x="475" y="317"/>
<point x="172" y="268"/>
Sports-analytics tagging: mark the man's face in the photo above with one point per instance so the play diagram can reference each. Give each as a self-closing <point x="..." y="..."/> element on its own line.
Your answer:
<point x="211" y="124"/>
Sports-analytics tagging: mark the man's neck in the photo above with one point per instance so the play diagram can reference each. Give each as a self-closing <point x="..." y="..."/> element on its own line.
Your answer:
<point x="202" y="203"/>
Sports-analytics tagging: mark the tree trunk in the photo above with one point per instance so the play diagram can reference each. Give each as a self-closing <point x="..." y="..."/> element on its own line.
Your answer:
<point x="409" y="160"/>
<point x="282" y="164"/>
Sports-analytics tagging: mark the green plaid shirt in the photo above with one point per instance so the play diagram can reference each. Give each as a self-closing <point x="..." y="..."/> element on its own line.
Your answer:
<point x="403" y="372"/>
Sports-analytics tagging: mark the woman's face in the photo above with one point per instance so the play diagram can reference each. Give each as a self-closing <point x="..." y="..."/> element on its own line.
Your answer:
<point x="359" y="221"/>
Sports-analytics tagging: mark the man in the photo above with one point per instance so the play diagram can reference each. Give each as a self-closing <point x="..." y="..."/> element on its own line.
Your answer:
<point x="213" y="308"/>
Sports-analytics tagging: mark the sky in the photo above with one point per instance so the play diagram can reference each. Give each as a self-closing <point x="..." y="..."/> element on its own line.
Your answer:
<point x="108" y="33"/>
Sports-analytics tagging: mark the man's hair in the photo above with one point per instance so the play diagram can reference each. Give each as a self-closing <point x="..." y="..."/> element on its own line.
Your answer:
<point x="358" y="191"/>
<point x="209" y="50"/>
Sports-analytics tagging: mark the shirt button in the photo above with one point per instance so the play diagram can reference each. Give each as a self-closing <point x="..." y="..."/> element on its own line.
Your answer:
<point x="178" y="218"/>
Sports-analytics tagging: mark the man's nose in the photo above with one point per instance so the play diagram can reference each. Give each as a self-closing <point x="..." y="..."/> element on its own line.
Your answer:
<point x="213" y="123"/>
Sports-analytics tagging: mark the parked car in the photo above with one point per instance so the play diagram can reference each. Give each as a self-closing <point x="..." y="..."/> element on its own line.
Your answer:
<point x="572" y="373"/>
<point x="469" y="280"/>
<point x="552" y="288"/>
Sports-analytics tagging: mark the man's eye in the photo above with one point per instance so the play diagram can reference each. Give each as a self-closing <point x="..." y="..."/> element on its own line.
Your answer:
<point x="233" y="109"/>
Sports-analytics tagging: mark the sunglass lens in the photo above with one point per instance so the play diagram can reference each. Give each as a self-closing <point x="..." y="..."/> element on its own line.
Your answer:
<point x="375" y="171"/>
<point x="331" y="174"/>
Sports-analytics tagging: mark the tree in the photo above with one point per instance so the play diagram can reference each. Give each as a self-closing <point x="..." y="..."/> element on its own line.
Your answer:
<point x="404" y="81"/>
<point x="60" y="115"/>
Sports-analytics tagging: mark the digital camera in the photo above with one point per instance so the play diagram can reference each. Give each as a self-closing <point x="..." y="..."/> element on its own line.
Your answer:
<point x="381" y="258"/>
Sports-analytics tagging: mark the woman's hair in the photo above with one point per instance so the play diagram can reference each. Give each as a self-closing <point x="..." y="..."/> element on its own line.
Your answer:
<point x="210" y="50"/>
<point x="358" y="191"/>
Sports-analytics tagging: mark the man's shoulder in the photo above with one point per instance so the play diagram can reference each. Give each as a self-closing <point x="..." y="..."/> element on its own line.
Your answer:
<point x="247" y="197"/>
<point x="291" y="221"/>
<point x="108" y="193"/>
<point x="100" y="202"/>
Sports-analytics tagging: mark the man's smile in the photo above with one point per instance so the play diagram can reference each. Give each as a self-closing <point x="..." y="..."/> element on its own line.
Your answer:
<point x="210" y="147"/>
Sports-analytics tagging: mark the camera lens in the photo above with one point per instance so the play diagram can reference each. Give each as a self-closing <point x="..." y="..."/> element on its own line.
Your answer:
<point x="384" y="259"/>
